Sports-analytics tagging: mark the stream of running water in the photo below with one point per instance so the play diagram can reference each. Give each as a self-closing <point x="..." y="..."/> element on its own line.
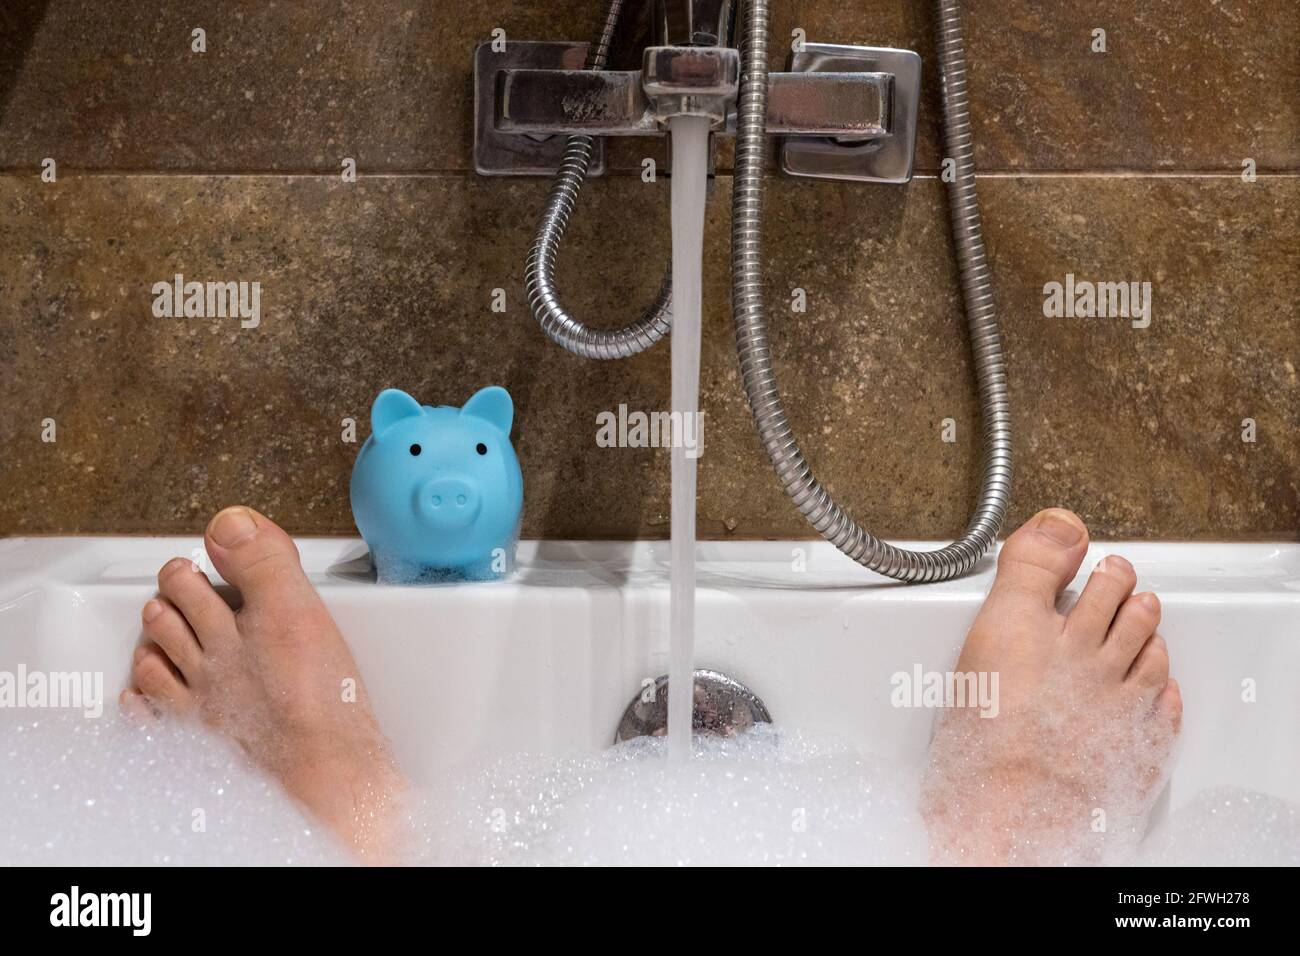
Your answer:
<point x="690" y="143"/>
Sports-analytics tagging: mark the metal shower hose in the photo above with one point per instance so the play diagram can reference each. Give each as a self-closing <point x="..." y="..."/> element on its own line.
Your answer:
<point x="827" y="517"/>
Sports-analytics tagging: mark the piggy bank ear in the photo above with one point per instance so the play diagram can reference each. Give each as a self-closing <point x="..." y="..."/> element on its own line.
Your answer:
<point x="492" y="404"/>
<point x="390" y="407"/>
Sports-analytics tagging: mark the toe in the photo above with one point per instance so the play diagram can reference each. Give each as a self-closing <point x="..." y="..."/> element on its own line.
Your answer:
<point x="256" y="556"/>
<point x="1169" y="706"/>
<point x="1042" y="556"/>
<point x="1135" y="622"/>
<point x="1109" y="585"/>
<point x="208" y="616"/>
<point x="158" y="680"/>
<point x="135" y="706"/>
<point x="166" y="627"/>
<point x="1150" y="671"/>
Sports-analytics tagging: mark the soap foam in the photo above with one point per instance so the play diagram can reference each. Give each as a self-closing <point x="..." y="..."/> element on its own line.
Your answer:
<point x="1228" y="826"/>
<point x="780" y="797"/>
<point x="393" y="569"/>
<point x="764" y="797"/>
<point x="111" y="792"/>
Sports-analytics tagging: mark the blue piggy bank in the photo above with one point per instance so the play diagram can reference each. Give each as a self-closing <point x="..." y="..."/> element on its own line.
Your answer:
<point x="437" y="492"/>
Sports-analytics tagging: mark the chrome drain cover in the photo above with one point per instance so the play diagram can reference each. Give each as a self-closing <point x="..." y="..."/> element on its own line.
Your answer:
<point x="724" y="707"/>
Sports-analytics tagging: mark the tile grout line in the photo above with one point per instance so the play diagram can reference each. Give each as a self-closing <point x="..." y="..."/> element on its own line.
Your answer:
<point x="66" y="173"/>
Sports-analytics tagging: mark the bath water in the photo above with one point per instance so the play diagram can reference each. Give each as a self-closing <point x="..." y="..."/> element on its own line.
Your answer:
<point x="770" y="796"/>
<point x="690" y="143"/>
<point x="107" y="792"/>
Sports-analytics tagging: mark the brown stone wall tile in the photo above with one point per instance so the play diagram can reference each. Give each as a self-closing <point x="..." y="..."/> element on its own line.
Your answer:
<point x="298" y="85"/>
<point x="389" y="282"/>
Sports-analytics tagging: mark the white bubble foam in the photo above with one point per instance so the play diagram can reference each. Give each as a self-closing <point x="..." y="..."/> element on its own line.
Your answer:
<point x="108" y="792"/>
<point x="776" y="796"/>
<point x="765" y="797"/>
<point x="395" y="570"/>
<point x="1227" y="826"/>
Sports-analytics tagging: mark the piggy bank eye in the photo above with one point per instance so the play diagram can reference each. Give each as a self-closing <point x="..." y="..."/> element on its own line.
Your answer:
<point x="415" y="449"/>
<point x="481" y="448"/>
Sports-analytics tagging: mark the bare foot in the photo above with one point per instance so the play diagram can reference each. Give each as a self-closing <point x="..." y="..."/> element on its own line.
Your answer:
<point x="275" y="675"/>
<point x="1087" y="712"/>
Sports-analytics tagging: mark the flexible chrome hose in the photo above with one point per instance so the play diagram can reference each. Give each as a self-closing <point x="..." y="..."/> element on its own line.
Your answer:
<point x="539" y="277"/>
<point x="751" y="324"/>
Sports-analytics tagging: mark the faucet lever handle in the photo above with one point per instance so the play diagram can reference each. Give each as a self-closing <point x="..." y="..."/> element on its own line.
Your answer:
<point x="883" y="158"/>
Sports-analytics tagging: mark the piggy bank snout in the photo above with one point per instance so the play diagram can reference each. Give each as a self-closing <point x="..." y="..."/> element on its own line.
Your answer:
<point x="448" y="502"/>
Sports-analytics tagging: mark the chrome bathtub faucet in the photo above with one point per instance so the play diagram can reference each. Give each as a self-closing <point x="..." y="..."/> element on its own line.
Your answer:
<point x="841" y="112"/>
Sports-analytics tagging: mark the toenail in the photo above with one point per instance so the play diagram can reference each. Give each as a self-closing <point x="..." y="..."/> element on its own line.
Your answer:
<point x="174" y="565"/>
<point x="1114" y="563"/>
<point x="1149" y="600"/>
<point x="1060" y="529"/>
<point x="132" y="703"/>
<point x="232" y="526"/>
<point x="151" y="610"/>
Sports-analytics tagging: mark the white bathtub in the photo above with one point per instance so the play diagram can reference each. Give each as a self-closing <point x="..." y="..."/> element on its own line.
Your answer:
<point x="548" y="660"/>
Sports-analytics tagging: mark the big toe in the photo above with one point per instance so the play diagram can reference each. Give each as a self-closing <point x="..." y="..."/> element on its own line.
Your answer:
<point x="255" y="554"/>
<point x="1041" y="557"/>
